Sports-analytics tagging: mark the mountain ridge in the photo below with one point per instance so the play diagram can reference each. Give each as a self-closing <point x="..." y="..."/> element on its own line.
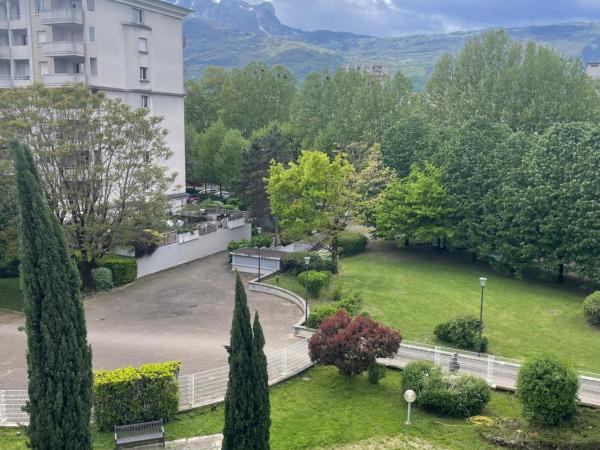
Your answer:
<point x="231" y="33"/>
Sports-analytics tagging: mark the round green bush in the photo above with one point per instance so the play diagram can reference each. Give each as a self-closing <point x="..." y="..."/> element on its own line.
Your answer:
<point x="124" y="269"/>
<point x="591" y="308"/>
<point x="376" y="372"/>
<point x="102" y="279"/>
<point x="319" y="313"/>
<point x="294" y="263"/>
<point x="462" y="332"/>
<point x="314" y="281"/>
<point x="351" y="243"/>
<point x="548" y="390"/>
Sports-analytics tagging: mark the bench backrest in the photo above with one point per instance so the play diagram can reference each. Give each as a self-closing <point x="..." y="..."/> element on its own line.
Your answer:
<point x="139" y="429"/>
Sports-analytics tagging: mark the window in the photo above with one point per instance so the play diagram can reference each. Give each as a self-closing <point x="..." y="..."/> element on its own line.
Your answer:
<point x="39" y="6"/>
<point x="43" y="68"/>
<point x="143" y="73"/>
<point x="92" y="33"/>
<point x="143" y="45"/>
<point x="145" y="101"/>
<point x="138" y="15"/>
<point x="41" y="37"/>
<point x="91" y="5"/>
<point x="78" y="68"/>
<point x="93" y="66"/>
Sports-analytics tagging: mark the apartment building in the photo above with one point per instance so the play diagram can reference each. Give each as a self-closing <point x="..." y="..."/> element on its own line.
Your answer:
<point x="128" y="49"/>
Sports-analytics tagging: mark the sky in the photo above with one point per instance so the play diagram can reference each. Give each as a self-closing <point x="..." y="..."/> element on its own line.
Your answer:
<point x="387" y="18"/>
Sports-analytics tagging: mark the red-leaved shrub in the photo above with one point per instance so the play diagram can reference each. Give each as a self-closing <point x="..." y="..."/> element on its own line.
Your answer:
<point x="352" y="344"/>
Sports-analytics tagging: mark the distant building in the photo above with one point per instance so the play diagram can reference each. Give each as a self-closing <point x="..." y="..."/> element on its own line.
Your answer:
<point x="374" y="69"/>
<point x="593" y="69"/>
<point x="127" y="49"/>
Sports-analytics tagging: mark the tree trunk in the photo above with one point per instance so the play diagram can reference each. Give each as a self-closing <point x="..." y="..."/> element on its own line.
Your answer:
<point x="406" y="242"/>
<point x="334" y="253"/>
<point x="561" y="273"/>
<point x="473" y="256"/>
<point x="439" y="244"/>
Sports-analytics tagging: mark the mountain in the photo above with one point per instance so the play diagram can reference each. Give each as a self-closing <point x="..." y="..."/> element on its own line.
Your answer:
<point x="231" y="33"/>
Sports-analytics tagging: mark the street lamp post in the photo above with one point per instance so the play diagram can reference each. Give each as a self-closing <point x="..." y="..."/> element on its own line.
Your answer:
<point x="410" y="397"/>
<point x="258" y="231"/>
<point x="482" y="281"/>
<point x="306" y="263"/>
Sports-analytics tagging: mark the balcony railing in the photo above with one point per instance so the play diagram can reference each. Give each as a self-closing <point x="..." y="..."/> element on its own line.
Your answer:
<point x="59" y="79"/>
<point x="63" y="48"/>
<point x="5" y="81"/>
<point x="4" y="51"/>
<point x="66" y="15"/>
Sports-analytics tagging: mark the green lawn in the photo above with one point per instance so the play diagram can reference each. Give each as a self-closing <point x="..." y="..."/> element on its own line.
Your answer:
<point x="10" y="294"/>
<point x="414" y="290"/>
<point x="319" y="409"/>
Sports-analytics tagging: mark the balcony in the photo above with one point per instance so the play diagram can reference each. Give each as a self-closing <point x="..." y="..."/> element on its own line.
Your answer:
<point x="19" y="52"/>
<point x="21" y="80"/>
<point x="4" y="52"/>
<point x="66" y="15"/>
<point x="63" y="48"/>
<point x="5" y="81"/>
<point x="59" y="79"/>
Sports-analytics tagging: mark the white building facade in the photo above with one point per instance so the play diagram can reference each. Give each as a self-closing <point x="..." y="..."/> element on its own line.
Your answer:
<point x="127" y="49"/>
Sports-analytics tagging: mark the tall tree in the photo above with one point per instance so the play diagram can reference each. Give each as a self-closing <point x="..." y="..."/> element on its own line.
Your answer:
<point x="414" y="207"/>
<point x="526" y="86"/>
<point x="240" y="419"/>
<point x="261" y="394"/>
<point x="312" y="194"/>
<point x="203" y="99"/>
<point x="59" y="360"/>
<point x="101" y="163"/>
<point x="9" y="240"/>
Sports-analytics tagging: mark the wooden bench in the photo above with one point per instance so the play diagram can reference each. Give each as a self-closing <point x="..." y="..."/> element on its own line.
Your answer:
<point x="140" y="433"/>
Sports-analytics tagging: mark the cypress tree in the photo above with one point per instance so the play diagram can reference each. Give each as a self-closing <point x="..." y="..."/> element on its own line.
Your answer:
<point x="261" y="388"/>
<point x="59" y="360"/>
<point x="238" y="431"/>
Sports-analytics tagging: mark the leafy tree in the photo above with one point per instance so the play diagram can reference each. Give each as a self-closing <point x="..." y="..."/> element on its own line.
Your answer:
<point x="261" y="395"/>
<point x="203" y="99"/>
<point x="59" y="360"/>
<point x="100" y="163"/>
<point x="369" y="185"/>
<point x="416" y="206"/>
<point x="312" y="194"/>
<point x="548" y="390"/>
<point x="352" y="344"/>
<point x="9" y="241"/>
<point x="228" y="161"/>
<point x="526" y="86"/>
<point x="240" y="401"/>
<point x="270" y="143"/>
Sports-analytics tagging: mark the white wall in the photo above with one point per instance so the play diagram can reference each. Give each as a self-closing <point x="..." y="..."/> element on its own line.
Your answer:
<point x="175" y="254"/>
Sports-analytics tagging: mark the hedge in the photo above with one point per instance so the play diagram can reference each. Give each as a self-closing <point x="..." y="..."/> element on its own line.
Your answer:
<point x="294" y="263"/>
<point x="351" y="243"/>
<point x="448" y="394"/>
<point x="102" y="279"/>
<point x="462" y="332"/>
<point x="133" y="395"/>
<point x="124" y="269"/>
<point x="548" y="390"/>
<point x="591" y="308"/>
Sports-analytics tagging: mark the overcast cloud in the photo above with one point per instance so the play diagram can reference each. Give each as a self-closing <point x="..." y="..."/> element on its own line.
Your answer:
<point x="402" y="17"/>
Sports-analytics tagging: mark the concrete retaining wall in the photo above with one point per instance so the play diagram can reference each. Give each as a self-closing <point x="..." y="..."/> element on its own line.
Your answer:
<point x="178" y="253"/>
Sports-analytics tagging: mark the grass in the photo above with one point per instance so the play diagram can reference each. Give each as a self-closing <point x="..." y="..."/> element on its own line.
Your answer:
<point x="320" y="409"/>
<point x="414" y="290"/>
<point x="10" y="294"/>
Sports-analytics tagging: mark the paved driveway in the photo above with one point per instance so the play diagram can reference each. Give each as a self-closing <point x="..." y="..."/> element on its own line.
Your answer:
<point x="183" y="313"/>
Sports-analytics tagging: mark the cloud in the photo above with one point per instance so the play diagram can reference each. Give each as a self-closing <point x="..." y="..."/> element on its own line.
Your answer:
<point x="403" y="17"/>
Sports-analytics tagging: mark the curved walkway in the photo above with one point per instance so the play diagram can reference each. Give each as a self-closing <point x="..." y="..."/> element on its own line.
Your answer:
<point x="183" y="313"/>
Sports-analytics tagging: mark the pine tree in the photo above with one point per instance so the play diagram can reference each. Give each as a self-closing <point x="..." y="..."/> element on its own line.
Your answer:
<point x="261" y="391"/>
<point x="238" y="431"/>
<point x="59" y="360"/>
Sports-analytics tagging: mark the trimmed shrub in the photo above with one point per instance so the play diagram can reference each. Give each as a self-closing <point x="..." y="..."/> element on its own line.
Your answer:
<point x="462" y="332"/>
<point x="352" y="344"/>
<point x="146" y="242"/>
<point x="320" y="313"/>
<point x="352" y="304"/>
<point x="314" y="281"/>
<point x="376" y="372"/>
<point x="414" y="374"/>
<point x="132" y="395"/>
<point x="102" y="279"/>
<point x="124" y="269"/>
<point x="294" y="263"/>
<point x="351" y="243"/>
<point x="548" y="390"/>
<point x="591" y="308"/>
<point x="454" y="395"/>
